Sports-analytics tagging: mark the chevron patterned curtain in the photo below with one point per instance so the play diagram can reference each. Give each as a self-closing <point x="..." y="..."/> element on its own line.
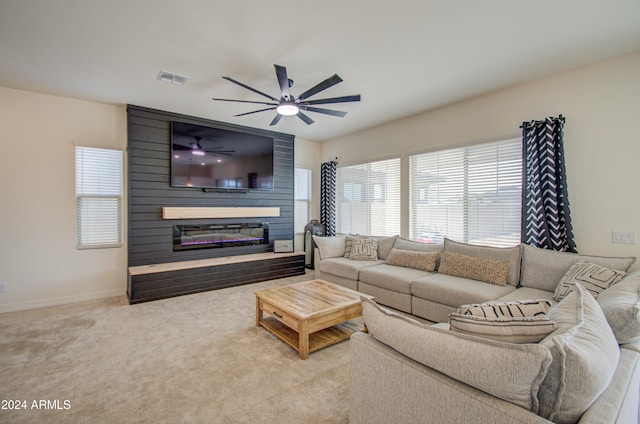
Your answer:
<point x="328" y="196"/>
<point x="546" y="219"/>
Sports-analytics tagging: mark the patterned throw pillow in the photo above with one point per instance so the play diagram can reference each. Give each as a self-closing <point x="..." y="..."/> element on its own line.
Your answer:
<point x="348" y="242"/>
<point x="594" y="278"/>
<point x="518" y="321"/>
<point x="508" y="330"/>
<point x="487" y="270"/>
<point x="512" y="309"/>
<point x="364" y="249"/>
<point x="425" y="261"/>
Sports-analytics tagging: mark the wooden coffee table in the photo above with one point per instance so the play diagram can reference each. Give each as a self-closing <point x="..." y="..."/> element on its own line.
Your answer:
<point x="309" y="316"/>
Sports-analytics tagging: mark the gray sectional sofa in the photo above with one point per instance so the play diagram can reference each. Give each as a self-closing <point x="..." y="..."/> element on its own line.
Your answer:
<point x="586" y="370"/>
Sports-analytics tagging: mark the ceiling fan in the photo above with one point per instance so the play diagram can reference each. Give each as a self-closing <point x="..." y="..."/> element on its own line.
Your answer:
<point x="197" y="149"/>
<point x="289" y="105"/>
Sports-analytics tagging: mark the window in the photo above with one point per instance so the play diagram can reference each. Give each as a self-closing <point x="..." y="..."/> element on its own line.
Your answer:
<point x="368" y="198"/>
<point x="469" y="194"/>
<point x="98" y="198"/>
<point x="302" y="189"/>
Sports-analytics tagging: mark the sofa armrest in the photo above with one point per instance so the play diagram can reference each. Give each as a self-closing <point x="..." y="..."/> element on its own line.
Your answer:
<point x="387" y="386"/>
<point x="619" y="404"/>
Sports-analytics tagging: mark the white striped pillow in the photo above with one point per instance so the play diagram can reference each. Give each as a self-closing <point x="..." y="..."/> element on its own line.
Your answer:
<point x="518" y="321"/>
<point x="512" y="309"/>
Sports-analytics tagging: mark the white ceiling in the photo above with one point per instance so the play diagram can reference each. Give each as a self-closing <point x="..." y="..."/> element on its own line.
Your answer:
<point x="402" y="56"/>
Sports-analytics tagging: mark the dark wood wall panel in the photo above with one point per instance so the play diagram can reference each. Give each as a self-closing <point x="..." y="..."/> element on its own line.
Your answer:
<point x="149" y="190"/>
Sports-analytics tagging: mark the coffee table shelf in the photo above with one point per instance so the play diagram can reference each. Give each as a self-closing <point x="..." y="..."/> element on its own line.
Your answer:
<point x="318" y="340"/>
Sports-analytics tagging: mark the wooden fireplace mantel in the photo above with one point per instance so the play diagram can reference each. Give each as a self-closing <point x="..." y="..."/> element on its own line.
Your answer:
<point x="213" y="212"/>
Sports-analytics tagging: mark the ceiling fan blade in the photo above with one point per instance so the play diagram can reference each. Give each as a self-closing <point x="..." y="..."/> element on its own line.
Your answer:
<point x="276" y="119"/>
<point x="343" y="99"/>
<point x="255" y="111"/>
<point x="246" y="101"/>
<point x="283" y="80"/>
<point x="329" y="82"/>
<point x="305" y="118"/>
<point x="180" y="147"/>
<point x="339" y="113"/>
<point x="250" y="88"/>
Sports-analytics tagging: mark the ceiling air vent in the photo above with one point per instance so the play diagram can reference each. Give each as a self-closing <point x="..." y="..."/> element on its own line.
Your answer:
<point x="172" y="78"/>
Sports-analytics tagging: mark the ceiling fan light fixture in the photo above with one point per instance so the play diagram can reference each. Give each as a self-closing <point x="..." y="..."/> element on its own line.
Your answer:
<point x="287" y="109"/>
<point x="197" y="152"/>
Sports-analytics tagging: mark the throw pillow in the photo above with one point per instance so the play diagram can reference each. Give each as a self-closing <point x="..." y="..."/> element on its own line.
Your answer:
<point x="364" y="249"/>
<point x="512" y="372"/>
<point x="512" y="309"/>
<point x="585" y="357"/>
<point x="425" y="261"/>
<point x="487" y="270"/>
<point x="348" y="242"/>
<point x="508" y="330"/>
<point x="621" y="305"/>
<point x="594" y="278"/>
<point x="512" y="255"/>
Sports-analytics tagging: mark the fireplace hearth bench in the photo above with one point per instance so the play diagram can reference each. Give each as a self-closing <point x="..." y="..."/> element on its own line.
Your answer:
<point x="158" y="281"/>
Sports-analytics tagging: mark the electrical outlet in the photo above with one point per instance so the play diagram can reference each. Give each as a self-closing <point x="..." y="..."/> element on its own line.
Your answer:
<point x="625" y="237"/>
<point x="3" y="287"/>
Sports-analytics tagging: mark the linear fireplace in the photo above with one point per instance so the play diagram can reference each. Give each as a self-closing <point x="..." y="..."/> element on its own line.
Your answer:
<point x="186" y="237"/>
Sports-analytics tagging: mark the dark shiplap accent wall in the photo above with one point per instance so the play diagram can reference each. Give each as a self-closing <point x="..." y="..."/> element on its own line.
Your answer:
<point x="149" y="189"/>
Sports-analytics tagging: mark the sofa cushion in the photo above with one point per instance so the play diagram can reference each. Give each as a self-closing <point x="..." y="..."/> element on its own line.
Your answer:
<point x="330" y="247"/>
<point x="391" y="277"/>
<point x="405" y="244"/>
<point x="426" y="261"/>
<point x="621" y="305"/>
<point x="385" y="244"/>
<point x="505" y="329"/>
<point x="455" y="291"/>
<point x="592" y="277"/>
<point x="343" y="267"/>
<point x="465" y="358"/>
<point x="475" y="268"/>
<point x="527" y="293"/>
<point x="512" y="255"/>
<point x="364" y="249"/>
<point x="542" y="269"/>
<point x="585" y="356"/>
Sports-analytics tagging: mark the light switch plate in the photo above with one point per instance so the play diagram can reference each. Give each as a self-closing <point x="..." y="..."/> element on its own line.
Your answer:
<point x="625" y="237"/>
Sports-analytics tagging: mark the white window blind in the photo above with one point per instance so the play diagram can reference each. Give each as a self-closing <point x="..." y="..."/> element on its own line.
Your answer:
<point x="469" y="194"/>
<point x="302" y="196"/>
<point x="368" y="198"/>
<point x="98" y="198"/>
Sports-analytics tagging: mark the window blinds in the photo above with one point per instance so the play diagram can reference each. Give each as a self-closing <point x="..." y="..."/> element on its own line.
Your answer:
<point x="469" y="194"/>
<point x="302" y="196"/>
<point x="98" y="197"/>
<point x="368" y="198"/>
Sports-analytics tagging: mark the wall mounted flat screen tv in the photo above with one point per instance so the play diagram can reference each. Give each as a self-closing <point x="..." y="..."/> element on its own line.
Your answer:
<point x="208" y="157"/>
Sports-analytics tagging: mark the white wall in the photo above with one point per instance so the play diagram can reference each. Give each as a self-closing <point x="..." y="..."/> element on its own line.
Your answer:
<point x="601" y="103"/>
<point x="39" y="262"/>
<point x="307" y="155"/>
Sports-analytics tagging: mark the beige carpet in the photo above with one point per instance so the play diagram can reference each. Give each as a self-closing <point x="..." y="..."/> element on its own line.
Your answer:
<point x="191" y="359"/>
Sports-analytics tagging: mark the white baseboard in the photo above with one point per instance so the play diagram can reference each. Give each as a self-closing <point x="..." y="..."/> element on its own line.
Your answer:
<point x="62" y="300"/>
